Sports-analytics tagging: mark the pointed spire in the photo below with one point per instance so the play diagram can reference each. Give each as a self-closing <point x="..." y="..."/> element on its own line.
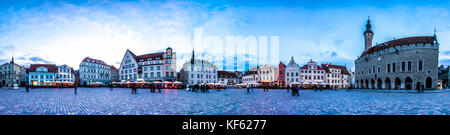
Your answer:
<point x="435" y="37"/>
<point x="12" y="59"/>
<point x="193" y="57"/>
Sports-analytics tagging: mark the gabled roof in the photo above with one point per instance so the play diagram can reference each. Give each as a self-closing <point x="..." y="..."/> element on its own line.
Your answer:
<point x="343" y="69"/>
<point x="50" y="67"/>
<point x="292" y="63"/>
<point x="97" y="61"/>
<point x="144" y="57"/>
<point x="400" y="42"/>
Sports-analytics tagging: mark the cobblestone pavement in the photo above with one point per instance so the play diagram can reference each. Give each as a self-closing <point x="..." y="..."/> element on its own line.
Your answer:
<point x="120" y="101"/>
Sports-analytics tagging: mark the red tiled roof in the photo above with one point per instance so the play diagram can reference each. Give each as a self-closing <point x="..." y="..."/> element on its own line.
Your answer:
<point x="113" y="68"/>
<point x="153" y="56"/>
<point x="50" y="67"/>
<point x="399" y="42"/>
<point x="306" y="67"/>
<point x="343" y="69"/>
<point x="95" y="61"/>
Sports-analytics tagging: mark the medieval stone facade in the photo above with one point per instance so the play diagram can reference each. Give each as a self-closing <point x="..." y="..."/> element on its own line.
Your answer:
<point x="406" y="63"/>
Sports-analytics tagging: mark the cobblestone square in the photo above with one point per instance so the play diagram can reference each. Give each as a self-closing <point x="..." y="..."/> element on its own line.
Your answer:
<point x="120" y="101"/>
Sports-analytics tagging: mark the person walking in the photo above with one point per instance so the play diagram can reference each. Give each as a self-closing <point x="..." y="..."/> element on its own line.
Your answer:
<point x="27" y="87"/>
<point x="75" y="87"/>
<point x="248" y="88"/>
<point x="293" y="90"/>
<point x="110" y="87"/>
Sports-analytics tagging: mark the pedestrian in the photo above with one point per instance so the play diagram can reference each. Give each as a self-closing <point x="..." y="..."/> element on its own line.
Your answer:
<point x="287" y="88"/>
<point x="110" y="87"/>
<point x="248" y="88"/>
<point x="159" y="88"/>
<point x="27" y="88"/>
<point x="75" y="87"/>
<point x="293" y="89"/>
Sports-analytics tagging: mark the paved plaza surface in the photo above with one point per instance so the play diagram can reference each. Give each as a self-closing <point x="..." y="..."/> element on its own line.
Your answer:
<point x="120" y="101"/>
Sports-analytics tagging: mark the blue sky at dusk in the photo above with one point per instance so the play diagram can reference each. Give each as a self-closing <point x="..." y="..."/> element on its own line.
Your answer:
<point x="64" y="32"/>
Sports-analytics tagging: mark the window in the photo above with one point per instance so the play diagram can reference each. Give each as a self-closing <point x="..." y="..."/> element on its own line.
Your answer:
<point x="388" y="68"/>
<point x="420" y="65"/>
<point x="409" y="65"/>
<point x="393" y="67"/>
<point x="403" y="66"/>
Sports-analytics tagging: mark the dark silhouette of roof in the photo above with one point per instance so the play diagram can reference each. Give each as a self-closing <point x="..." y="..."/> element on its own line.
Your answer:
<point x="226" y="74"/>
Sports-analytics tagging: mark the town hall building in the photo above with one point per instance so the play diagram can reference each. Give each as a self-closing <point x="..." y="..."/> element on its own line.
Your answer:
<point x="405" y="63"/>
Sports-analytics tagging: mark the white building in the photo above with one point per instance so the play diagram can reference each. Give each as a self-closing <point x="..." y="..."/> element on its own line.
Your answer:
<point x="198" y="71"/>
<point x="94" y="71"/>
<point x="159" y="66"/>
<point x="267" y="74"/>
<point x="336" y="76"/>
<point x="312" y="74"/>
<point x="12" y="73"/>
<point x="228" y="78"/>
<point x="65" y="74"/>
<point x="292" y="72"/>
<point x="251" y="77"/>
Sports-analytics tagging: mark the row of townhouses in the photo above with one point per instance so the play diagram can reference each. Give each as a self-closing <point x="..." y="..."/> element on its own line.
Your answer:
<point x="310" y="74"/>
<point x="161" y="67"/>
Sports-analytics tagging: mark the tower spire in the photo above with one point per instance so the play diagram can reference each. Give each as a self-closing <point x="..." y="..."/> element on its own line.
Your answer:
<point x="368" y="35"/>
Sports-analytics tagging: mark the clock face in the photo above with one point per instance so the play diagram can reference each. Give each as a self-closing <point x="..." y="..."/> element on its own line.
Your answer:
<point x="379" y="58"/>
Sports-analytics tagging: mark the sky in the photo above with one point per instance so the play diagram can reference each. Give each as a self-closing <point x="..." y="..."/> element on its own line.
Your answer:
<point x="326" y="31"/>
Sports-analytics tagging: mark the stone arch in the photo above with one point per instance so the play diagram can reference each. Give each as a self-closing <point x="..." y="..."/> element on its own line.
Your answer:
<point x="387" y="83"/>
<point x="398" y="83"/>
<point x="372" y="84"/>
<point x="379" y="83"/>
<point x="428" y="83"/>
<point x="408" y="83"/>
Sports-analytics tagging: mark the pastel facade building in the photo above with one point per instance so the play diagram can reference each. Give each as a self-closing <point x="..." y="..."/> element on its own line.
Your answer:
<point x="251" y="77"/>
<point x="159" y="66"/>
<point x="281" y="80"/>
<point x="336" y="76"/>
<point x="94" y="72"/>
<point x="65" y="74"/>
<point x="312" y="74"/>
<point x="268" y="74"/>
<point x="42" y="74"/>
<point x="292" y="73"/>
<point x="227" y="78"/>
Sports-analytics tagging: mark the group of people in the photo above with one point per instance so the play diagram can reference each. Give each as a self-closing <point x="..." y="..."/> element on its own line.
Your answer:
<point x="153" y="88"/>
<point x="296" y="90"/>
<point x="202" y="87"/>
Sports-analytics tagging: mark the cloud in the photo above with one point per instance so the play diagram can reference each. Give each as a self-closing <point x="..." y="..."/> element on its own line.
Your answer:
<point x="37" y="59"/>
